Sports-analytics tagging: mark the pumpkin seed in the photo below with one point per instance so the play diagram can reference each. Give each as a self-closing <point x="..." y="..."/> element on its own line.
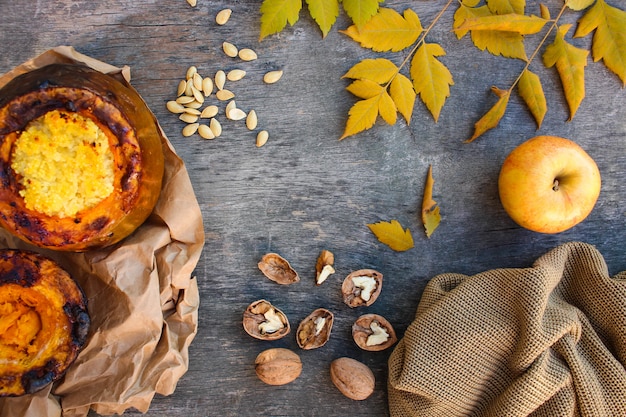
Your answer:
<point x="209" y="111"/>
<point x="188" y="118"/>
<point x="236" y="114"/>
<point x="175" y="107"/>
<point x="235" y="75"/>
<point x="191" y="110"/>
<point x="261" y="138"/>
<point x="230" y="49"/>
<point x="184" y="100"/>
<point x="251" y="120"/>
<point x="272" y="76"/>
<point x="197" y="94"/>
<point x="231" y="105"/>
<point x="197" y="81"/>
<point x="181" y="88"/>
<point x="220" y="79"/>
<point x="190" y="129"/>
<point x="191" y="71"/>
<point x="222" y="16"/>
<point x="216" y="127"/>
<point x="194" y="104"/>
<point x="224" y="95"/>
<point x="247" y="54"/>
<point x="207" y="86"/>
<point x="192" y="3"/>
<point x="188" y="87"/>
<point x="205" y="132"/>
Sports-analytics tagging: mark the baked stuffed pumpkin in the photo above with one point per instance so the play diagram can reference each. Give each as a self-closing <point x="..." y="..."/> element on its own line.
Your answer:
<point x="43" y="322"/>
<point x="81" y="158"/>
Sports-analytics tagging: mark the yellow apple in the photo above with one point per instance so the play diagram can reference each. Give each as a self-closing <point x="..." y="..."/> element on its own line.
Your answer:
<point x="549" y="184"/>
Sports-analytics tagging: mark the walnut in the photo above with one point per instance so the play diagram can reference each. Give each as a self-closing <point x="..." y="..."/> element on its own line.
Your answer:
<point x="362" y="287"/>
<point x="324" y="266"/>
<point x="278" y="366"/>
<point x="353" y="378"/>
<point x="314" y="330"/>
<point x="276" y="268"/>
<point x="373" y="332"/>
<point x="263" y="321"/>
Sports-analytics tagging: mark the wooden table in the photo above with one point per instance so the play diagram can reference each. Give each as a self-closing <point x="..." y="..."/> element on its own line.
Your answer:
<point x="305" y="190"/>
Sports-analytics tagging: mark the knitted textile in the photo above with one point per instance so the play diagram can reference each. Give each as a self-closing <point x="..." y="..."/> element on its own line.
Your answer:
<point x="549" y="340"/>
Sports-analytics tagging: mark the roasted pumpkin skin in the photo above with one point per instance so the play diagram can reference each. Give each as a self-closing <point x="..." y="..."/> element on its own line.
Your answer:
<point x="44" y="322"/>
<point x="134" y="140"/>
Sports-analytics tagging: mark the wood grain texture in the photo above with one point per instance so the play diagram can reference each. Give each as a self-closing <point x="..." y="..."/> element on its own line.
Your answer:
<point x="305" y="191"/>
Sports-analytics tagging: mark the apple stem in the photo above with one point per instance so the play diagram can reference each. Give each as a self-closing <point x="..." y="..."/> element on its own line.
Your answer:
<point x="555" y="184"/>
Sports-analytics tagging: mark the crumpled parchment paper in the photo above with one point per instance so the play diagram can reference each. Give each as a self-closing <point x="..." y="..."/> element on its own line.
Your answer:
<point x="142" y="297"/>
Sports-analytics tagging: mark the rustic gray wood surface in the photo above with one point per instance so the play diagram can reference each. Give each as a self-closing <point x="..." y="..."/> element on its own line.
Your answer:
<point x="305" y="190"/>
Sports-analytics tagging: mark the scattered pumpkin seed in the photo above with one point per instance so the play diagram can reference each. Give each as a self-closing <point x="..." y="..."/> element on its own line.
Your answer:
<point x="197" y="81"/>
<point x="181" y="88"/>
<point x="188" y="118"/>
<point x="224" y="95"/>
<point x="209" y="111"/>
<point x="236" y="114"/>
<point x="222" y="16"/>
<point x="205" y="132"/>
<point x="230" y="49"/>
<point x="194" y="104"/>
<point x="251" y="120"/>
<point x="188" y="87"/>
<point x="220" y="79"/>
<point x="190" y="129"/>
<point x="207" y="86"/>
<point x="272" y="76"/>
<point x="192" y="3"/>
<point x="190" y="72"/>
<point x="197" y="95"/>
<point x="184" y="100"/>
<point x="247" y="54"/>
<point x="261" y="138"/>
<point x="231" y="105"/>
<point x="235" y="75"/>
<point x="216" y="127"/>
<point x="175" y="107"/>
<point x="191" y="110"/>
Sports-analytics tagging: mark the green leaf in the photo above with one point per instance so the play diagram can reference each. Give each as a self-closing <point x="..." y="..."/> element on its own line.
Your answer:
<point x="403" y="94"/>
<point x="531" y="91"/>
<point x="379" y="70"/>
<point x="325" y="13"/>
<point x="393" y="235"/>
<point x="492" y="118"/>
<point x="361" y="11"/>
<point x="570" y="64"/>
<point x="387" y="31"/>
<point x="431" y="79"/>
<point x="609" y="39"/>
<point x="275" y="14"/>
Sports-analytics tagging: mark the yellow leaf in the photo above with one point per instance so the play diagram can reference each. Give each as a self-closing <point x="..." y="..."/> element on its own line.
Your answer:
<point x="387" y="109"/>
<point x="609" y="39"/>
<point x="379" y="70"/>
<point x="512" y="22"/>
<point x="545" y="12"/>
<point x="531" y="91"/>
<point x="361" y="11"/>
<point x="361" y="116"/>
<point x="570" y="64"/>
<point x="506" y="44"/>
<point x="275" y="14"/>
<point x="387" y="31"/>
<point x="465" y="12"/>
<point x="431" y="79"/>
<point x="403" y="94"/>
<point x="324" y="12"/>
<point x="507" y="6"/>
<point x="393" y="235"/>
<point x="579" y="4"/>
<point x="493" y="116"/>
<point x="365" y="88"/>
<point x="430" y="210"/>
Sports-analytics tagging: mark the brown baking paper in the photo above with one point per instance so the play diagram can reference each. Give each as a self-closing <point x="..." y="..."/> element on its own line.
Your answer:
<point x="142" y="298"/>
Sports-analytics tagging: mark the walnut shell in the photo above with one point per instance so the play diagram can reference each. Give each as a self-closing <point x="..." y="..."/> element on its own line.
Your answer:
<point x="278" y="366"/>
<point x="356" y="296"/>
<point x="373" y="332"/>
<point x="134" y="144"/>
<point x="354" y="379"/>
<point x="314" y="331"/>
<point x="264" y="321"/>
<point x="43" y="320"/>
<point x="276" y="268"/>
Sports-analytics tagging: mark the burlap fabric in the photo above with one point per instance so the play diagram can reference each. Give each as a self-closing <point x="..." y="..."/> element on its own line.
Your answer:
<point x="549" y="340"/>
